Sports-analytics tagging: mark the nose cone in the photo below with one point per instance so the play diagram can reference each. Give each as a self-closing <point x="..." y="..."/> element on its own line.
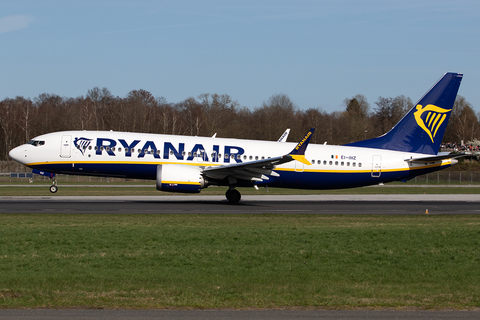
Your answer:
<point x="18" y="154"/>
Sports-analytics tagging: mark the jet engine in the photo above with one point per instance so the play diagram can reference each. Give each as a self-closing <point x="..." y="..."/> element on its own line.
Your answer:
<point x="180" y="178"/>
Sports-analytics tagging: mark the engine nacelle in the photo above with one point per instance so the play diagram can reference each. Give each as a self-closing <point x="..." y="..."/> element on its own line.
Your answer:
<point x="179" y="178"/>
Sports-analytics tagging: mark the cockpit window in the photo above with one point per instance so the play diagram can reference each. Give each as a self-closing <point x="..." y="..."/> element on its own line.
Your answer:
<point x="36" y="143"/>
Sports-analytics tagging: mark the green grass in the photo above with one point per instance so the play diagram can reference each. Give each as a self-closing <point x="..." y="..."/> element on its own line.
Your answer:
<point x="151" y="191"/>
<point x="239" y="261"/>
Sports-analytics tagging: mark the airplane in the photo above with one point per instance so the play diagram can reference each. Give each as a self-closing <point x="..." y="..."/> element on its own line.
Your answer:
<point x="185" y="164"/>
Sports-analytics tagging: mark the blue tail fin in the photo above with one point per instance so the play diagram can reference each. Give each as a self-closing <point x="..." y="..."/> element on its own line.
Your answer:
<point x="421" y="130"/>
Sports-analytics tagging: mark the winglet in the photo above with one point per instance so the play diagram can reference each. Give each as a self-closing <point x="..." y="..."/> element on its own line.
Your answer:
<point x="284" y="136"/>
<point x="298" y="153"/>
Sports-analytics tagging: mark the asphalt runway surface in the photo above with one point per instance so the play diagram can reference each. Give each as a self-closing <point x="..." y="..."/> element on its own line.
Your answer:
<point x="316" y="204"/>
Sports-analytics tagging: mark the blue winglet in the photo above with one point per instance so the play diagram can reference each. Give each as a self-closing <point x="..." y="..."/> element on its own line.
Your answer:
<point x="298" y="153"/>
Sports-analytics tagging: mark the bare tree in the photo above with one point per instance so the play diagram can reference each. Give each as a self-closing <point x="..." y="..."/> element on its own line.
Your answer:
<point x="463" y="124"/>
<point x="355" y="119"/>
<point x="388" y="112"/>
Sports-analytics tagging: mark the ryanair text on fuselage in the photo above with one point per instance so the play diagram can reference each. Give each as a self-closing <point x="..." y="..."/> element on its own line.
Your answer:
<point x="149" y="148"/>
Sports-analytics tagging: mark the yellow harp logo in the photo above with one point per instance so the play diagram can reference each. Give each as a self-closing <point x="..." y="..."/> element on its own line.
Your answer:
<point x="433" y="119"/>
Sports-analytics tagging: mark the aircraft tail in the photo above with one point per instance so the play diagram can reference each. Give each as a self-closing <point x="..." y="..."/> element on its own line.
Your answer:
<point x="421" y="130"/>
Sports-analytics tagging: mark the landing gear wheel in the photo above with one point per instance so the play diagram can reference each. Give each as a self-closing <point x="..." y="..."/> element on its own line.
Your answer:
<point x="233" y="196"/>
<point x="53" y="188"/>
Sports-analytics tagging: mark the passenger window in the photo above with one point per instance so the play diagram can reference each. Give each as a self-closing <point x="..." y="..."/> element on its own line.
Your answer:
<point x="256" y="157"/>
<point x="348" y="164"/>
<point x="251" y="157"/>
<point x="325" y="162"/>
<point x="330" y="162"/>
<point x="359" y="164"/>
<point x="354" y="164"/>
<point x="341" y="163"/>
<point x="336" y="163"/>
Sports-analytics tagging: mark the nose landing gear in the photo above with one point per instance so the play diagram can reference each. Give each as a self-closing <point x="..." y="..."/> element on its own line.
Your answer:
<point x="53" y="187"/>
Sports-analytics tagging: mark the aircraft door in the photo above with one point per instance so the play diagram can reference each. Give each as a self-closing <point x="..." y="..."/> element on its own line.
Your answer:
<point x="299" y="166"/>
<point x="376" y="166"/>
<point x="66" y="147"/>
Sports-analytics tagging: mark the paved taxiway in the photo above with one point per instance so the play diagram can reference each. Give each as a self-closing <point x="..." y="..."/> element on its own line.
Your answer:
<point x="298" y="204"/>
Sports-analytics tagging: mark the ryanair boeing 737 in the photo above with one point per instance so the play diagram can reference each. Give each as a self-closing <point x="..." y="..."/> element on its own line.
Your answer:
<point x="188" y="164"/>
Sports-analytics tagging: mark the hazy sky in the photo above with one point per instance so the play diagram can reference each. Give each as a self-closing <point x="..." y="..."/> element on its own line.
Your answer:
<point x="318" y="52"/>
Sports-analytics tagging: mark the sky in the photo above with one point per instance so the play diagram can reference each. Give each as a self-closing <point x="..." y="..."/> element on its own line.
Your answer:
<point x="318" y="52"/>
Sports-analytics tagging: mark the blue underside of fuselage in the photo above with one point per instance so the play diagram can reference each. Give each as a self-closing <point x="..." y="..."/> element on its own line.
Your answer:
<point x="288" y="179"/>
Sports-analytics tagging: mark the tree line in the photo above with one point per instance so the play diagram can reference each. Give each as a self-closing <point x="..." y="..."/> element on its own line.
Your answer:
<point x="22" y="119"/>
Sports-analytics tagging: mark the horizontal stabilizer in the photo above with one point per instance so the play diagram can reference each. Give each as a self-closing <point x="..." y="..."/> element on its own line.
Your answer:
<point x="437" y="158"/>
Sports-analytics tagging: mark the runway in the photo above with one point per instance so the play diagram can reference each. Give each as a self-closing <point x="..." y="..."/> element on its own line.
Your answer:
<point x="310" y="204"/>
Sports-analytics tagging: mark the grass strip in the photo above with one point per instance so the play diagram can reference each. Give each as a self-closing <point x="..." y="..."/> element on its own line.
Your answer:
<point x="239" y="261"/>
<point x="151" y="191"/>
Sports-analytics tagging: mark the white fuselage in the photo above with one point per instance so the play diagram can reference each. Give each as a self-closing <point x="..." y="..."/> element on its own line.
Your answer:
<point x="136" y="155"/>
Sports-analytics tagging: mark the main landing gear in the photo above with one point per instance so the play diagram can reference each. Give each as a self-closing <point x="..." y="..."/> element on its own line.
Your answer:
<point x="233" y="195"/>
<point x="53" y="187"/>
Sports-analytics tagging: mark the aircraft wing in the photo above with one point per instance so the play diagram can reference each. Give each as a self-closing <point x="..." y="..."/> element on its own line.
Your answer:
<point x="259" y="170"/>
<point x="437" y="158"/>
